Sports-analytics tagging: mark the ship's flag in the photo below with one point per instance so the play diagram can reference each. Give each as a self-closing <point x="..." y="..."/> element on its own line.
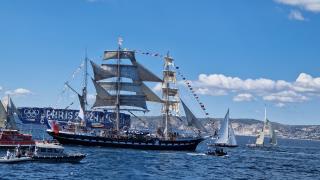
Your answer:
<point x="55" y="127"/>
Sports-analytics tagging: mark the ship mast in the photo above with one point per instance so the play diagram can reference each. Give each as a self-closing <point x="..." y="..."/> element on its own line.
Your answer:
<point x="85" y="89"/>
<point x="118" y="84"/>
<point x="169" y="93"/>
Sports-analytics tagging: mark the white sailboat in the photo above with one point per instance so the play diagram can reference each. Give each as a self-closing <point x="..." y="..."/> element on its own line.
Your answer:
<point x="9" y="132"/>
<point x="226" y="137"/>
<point x="260" y="141"/>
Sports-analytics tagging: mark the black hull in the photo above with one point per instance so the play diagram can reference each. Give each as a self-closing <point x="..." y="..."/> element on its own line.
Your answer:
<point x="152" y="144"/>
<point x="60" y="159"/>
<point x="226" y="145"/>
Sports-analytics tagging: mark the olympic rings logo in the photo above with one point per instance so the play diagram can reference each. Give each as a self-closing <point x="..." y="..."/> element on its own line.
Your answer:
<point x="31" y="113"/>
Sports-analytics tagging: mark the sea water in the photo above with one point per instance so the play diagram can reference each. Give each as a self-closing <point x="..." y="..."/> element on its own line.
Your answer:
<point x="292" y="159"/>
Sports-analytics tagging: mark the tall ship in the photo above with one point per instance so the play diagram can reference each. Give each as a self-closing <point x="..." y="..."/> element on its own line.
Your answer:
<point x="10" y="136"/>
<point x="121" y="91"/>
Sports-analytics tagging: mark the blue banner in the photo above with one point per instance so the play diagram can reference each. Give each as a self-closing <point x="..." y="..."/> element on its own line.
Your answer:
<point x="43" y="115"/>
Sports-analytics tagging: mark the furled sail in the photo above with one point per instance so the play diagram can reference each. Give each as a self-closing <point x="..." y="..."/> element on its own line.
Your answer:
<point x="170" y="96"/>
<point x="192" y="120"/>
<point x="119" y="54"/>
<point x="170" y="91"/>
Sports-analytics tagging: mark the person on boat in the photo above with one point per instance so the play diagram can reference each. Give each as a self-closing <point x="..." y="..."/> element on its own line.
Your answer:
<point x="8" y="154"/>
<point x="18" y="151"/>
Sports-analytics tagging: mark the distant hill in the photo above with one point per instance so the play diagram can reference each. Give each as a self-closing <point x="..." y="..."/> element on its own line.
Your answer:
<point x="246" y="127"/>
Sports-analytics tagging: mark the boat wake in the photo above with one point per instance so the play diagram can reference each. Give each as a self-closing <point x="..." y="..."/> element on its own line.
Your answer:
<point x="196" y="154"/>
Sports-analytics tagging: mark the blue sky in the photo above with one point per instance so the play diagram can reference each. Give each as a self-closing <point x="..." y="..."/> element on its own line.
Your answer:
<point x="238" y="54"/>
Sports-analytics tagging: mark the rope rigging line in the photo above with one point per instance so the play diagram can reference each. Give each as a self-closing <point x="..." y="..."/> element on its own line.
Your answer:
<point x="187" y="82"/>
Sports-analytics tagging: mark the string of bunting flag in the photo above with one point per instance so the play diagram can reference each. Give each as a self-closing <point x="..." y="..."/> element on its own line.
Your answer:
<point x="191" y="89"/>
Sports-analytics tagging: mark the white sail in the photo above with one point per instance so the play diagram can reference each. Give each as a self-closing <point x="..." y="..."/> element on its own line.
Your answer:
<point x="11" y="111"/>
<point x="3" y="116"/>
<point x="226" y="134"/>
<point x="223" y="135"/>
<point x="260" y="139"/>
<point x="232" y="137"/>
<point x="267" y="125"/>
<point x="7" y="118"/>
<point x="273" y="136"/>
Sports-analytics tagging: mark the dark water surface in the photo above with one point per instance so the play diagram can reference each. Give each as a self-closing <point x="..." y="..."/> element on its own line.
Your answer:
<point x="293" y="159"/>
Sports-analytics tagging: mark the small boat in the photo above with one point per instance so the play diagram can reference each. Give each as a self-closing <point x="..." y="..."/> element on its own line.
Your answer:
<point x="260" y="141"/>
<point x="14" y="160"/>
<point x="216" y="152"/>
<point x="226" y="137"/>
<point x="14" y="157"/>
<point x="53" y="152"/>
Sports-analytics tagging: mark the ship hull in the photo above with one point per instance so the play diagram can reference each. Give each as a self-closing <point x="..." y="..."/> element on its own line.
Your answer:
<point x="73" y="158"/>
<point x="12" y="138"/>
<point x="226" y="145"/>
<point x="152" y="144"/>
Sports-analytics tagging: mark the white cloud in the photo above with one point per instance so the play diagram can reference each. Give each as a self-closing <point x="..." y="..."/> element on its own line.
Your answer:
<point x="306" y="83"/>
<point x="308" y="5"/>
<point x="157" y="87"/>
<point x="212" y="92"/>
<point x="277" y="91"/>
<point x="222" y="82"/>
<point x="285" y="97"/>
<point x="243" y="97"/>
<point x="1" y="88"/>
<point x="296" y="15"/>
<point x="19" y="92"/>
<point x="91" y="98"/>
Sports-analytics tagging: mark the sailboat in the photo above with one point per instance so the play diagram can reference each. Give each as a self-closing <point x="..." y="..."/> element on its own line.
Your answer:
<point x="121" y="90"/>
<point x="10" y="136"/>
<point x="260" y="141"/>
<point x="226" y="137"/>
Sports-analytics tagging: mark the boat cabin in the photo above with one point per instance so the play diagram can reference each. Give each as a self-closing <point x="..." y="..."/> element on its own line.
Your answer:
<point x="48" y="149"/>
